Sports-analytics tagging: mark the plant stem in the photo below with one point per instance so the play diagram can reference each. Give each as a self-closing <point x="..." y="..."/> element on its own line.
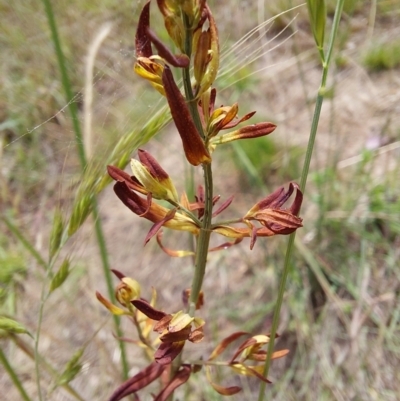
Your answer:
<point x="82" y="157"/>
<point x="13" y="375"/>
<point x="205" y="232"/>
<point x="203" y="241"/>
<point x="303" y="181"/>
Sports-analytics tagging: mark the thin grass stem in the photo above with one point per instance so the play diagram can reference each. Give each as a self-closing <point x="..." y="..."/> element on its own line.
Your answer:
<point x="17" y="383"/>
<point x="303" y="180"/>
<point x="82" y="157"/>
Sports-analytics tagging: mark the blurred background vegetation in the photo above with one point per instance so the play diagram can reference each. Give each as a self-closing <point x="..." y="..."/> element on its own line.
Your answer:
<point x="341" y="313"/>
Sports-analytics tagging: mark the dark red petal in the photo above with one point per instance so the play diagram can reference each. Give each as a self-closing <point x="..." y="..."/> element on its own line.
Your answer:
<point x="181" y="335"/>
<point x="167" y="352"/>
<point x="296" y="205"/>
<point x="225" y="205"/>
<point x="226" y="245"/>
<point x="147" y="309"/>
<point x="120" y="175"/>
<point x="176" y="60"/>
<point x="119" y="274"/>
<point x="139" y="381"/>
<point x="180" y="378"/>
<point x="195" y="150"/>
<point x="130" y="199"/>
<point x="253" y="238"/>
<point x="256" y="130"/>
<point x="247" y="343"/>
<point x="272" y="199"/>
<point x="234" y="123"/>
<point x="156" y="227"/>
<point x="220" y="348"/>
<point x="142" y="41"/>
<point x="152" y="164"/>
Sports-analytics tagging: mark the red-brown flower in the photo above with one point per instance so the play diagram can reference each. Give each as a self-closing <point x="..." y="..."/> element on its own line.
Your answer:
<point x="274" y="219"/>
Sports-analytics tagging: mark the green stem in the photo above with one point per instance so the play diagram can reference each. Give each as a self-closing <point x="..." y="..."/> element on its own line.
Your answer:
<point x="303" y="181"/>
<point x="13" y="375"/>
<point x="205" y="232"/>
<point x="72" y="106"/>
<point x="203" y="241"/>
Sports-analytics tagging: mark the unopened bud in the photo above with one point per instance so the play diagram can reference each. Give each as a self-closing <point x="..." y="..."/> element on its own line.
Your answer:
<point x="127" y="291"/>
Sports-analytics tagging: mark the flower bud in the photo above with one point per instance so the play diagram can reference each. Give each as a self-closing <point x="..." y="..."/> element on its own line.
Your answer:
<point x="127" y="290"/>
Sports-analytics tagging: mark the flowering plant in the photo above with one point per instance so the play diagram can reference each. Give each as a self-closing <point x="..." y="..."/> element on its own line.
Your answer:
<point x="150" y="193"/>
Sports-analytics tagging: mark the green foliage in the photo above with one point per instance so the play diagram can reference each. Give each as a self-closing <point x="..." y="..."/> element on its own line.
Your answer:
<point x="317" y="14"/>
<point x="382" y="56"/>
<point x="262" y="161"/>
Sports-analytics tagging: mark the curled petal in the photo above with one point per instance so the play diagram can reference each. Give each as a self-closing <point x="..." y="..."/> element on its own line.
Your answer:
<point x="156" y="227"/>
<point x="195" y="150"/>
<point x="226" y="245"/>
<point x="197" y="335"/>
<point x="233" y="124"/>
<point x="221" y="347"/>
<point x="111" y="307"/>
<point x="221" y="389"/>
<point x="170" y="252"/>
<point x="186" y="297"/>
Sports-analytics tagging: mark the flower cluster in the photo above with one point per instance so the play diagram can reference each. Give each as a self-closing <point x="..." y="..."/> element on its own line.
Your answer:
<point x="149" y="192"/>
<point x="151" y="180"/>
